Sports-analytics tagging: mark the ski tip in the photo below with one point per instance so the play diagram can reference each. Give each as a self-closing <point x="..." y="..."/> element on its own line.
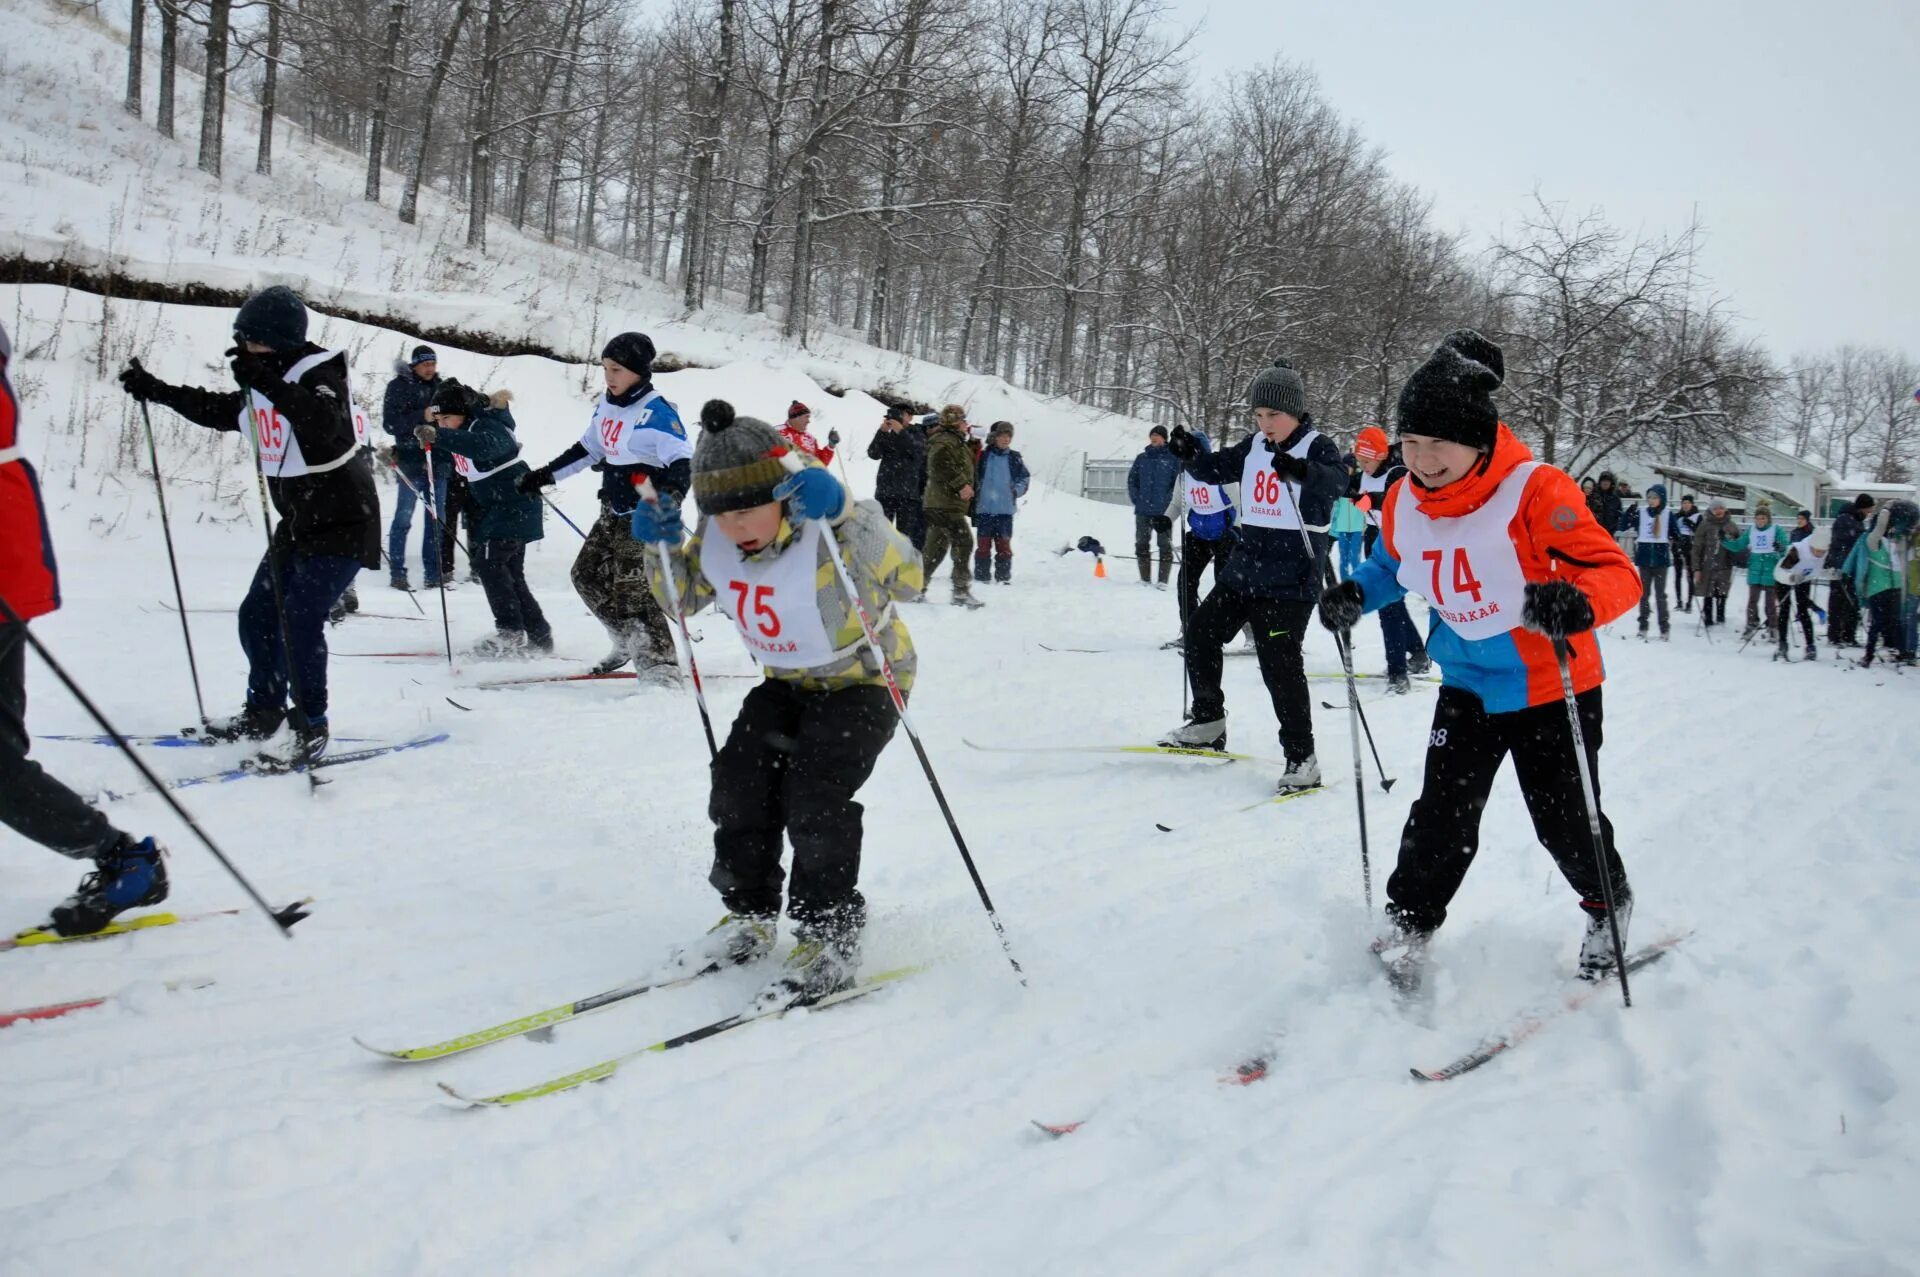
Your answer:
<point x="381" y="1051"/>
<point x="1165" y="829"/>
<point x="458" y="705"/>
<point x="470" y="1101"/>
<point x="1056" y="1130"/>
<point x="298" y="911"/>
<point x="1421" y="1075"/>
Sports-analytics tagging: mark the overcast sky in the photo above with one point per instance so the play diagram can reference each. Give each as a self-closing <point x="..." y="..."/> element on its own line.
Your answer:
<point x="1795" y="126"/>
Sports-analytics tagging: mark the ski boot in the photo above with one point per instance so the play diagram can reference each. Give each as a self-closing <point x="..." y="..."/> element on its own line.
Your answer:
<point x="128" y="875"/>
<point x="1302" y="773"/>
<point x="825" y="960"/>
<point x="350" y="600"/>
<point x="735" y="941"/>
<point x="502" y="645"/>
<point x="310" y="740"/>
<point x="1402" y="953"/>
<point x="1596" y="947"/>
<point x="401" y="584"/>
<point x="965" y="599"/>
<point x="619" y="656"/>
<point x="1811" y="654"/>
<point x="255" y="722"/>
<point x="1419" y="662"/>
<point x="1198" y="733"/>
<point x="1399" y="684"/>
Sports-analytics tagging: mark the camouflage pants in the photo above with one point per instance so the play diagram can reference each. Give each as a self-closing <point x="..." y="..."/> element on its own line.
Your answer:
<point x="610" y="576"/>
<point x="947" y="532"/>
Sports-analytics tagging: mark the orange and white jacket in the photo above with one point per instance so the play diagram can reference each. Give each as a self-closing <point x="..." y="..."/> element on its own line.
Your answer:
<point x="1471" y="548"/>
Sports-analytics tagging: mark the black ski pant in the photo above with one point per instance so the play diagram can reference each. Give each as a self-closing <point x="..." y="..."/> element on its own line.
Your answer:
<point x="908" y="517"/>
<point x="310" y="584"/>
<point x="460" y="508"/>
<point x="502" y="565"/>
<point x="1843" y="613"/>
<point x="1653" y="588"/>
<point x="1800" y="595"/>
<point x="1279" y="627"/>
<point x="1195" y="554"/>
<point x="1464" y="751"/>
<point x="1683" y="591"/>
<point x="32" y="803"/>
<point x="791" y="765"/>
<point x="1159" y="526"/>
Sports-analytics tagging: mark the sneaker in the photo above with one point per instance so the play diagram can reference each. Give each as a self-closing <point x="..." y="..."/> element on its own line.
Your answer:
<point x="1161" y="586"/>
<point x="540" y="644"/>
<point x="351" y="599"/>
<point x="1402" y="952"/>
<point x="502" y="645"/>
<point x="1596" y="947"/>
<point x="1399" y="684"/>
<point x="1301" y="773"/>
<point x="824" y="961"/>
<point x="255" y="722"/>
<point x="1811" y="654"/>
<point x="965" y="599"/>
<point x="128" y="876"/>
<point x="734" y="941"/>
<point x="1198" y="733"/>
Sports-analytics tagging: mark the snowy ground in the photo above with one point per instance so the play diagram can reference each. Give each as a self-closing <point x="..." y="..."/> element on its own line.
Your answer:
<point x="1753" y="1113"/>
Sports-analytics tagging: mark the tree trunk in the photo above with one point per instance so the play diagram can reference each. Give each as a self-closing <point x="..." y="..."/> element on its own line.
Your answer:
<point x="800" y="287"/>
<point x="136" y="55"/>
<point x="880" y="302"/>
<point x="169" y="60"/>
<point x="269" y="92"/>
<point x="706" y="155"/>
<point x="213" y="101"/>
<point x="410" y="199"/>
<point x="558" y="152"/>
<point x="523" y="183"/>
<point x="1076" y="231"/>
<point x="383" y="98"/>
<point x="587" y="236"/>
<point x="480" y="162"/>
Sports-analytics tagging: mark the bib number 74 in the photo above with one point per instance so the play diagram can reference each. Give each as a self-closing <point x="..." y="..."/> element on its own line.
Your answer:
<point x="1464" y="581"/>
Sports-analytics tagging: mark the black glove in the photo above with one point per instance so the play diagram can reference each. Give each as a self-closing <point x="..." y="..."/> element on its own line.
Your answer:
<point x="1341" y="606"/>
<point x="425" y="435"/>
<point x="833" y="438"/>
<point x="253" y="372"/>
<point x="140" y="383"/>
<point x="1557" y="609"/>
<point x="534" y="480"/>
<point x="1291" y="468"/>
<point x="1183" y="445"/>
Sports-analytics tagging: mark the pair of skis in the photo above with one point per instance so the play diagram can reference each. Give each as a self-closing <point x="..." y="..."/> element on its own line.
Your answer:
<point x="272" y="765"/>
<point x="542" y="1022"/>
<point x="34" y="937"/>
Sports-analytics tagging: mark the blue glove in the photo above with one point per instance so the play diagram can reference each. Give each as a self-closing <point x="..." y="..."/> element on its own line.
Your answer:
<point x="812" y="494"/>
<point x="658" y="522"/>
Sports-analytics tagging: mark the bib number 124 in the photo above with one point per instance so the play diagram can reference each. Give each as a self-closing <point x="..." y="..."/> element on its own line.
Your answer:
<point x="1464" y="581"/>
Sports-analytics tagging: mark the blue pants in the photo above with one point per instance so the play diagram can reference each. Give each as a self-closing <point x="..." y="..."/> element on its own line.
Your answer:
<point x="415" y="473"/>
<point x="310" y="584"/>
<point x="1351" y="555"/>
<point x="1402" y="637"/>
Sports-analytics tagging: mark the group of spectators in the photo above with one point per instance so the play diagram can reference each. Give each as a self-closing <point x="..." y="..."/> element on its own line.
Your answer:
<point x="938" y="475"/>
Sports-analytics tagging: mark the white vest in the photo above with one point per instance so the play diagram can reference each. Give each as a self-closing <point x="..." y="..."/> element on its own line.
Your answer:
<point x="774" y="603"/>
<point x="1806" y="564"/>
<point x="1205" y="498"/>
<point x="1467" y="568"/>
<point x="1375" y="486"/>
<point x="1267" y="500"/>
<point x="473" y="474"/>
<point x="1766" y="540"/>
<point x="617" y="435"/>
<point x="280" y="453"/>
<point x="1647" y="532"/>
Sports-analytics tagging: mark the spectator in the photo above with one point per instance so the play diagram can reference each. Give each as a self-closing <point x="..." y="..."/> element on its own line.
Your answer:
<point x="1843" y="605"/>
<point x="949" y="494"/>
<point x="1150" y="485"/>
<point x="1605" y="503"/>
<point x="1801" y="563"/>
<point x="1685" y="520"/>
<point x="1000" y="480"/>
<point x="1349" y="524"/>
<point x="900" y="446"/>
<point x="408" y="396"/>
<point x="799" y="417"/>
<point x="1653" y="555"/>
<point x="1713" y="563"/>
<point x="1380" y="469"/>
<point x="1586" y="489"/>
<point x="1626" y="533"/>
<point x="1765" y="545"/>
<point x="1878" y="565"/>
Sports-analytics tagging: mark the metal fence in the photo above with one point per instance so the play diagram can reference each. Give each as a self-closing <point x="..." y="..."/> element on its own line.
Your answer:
<point x="1105" y="481"/>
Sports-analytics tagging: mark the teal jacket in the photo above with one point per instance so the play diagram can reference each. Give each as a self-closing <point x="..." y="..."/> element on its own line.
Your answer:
<point x="1760" y="566"/>
<point x="487" y="441"/>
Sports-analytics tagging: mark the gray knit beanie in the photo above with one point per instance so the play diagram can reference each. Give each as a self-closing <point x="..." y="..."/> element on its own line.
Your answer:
<point x="736" y="463"/>
<point x="1279" y="387"/>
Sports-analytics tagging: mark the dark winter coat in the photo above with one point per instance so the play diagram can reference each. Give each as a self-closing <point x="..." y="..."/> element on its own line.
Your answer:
<point x="487" y="440"/>
<point x="1712" y="561"/>
<point x="336" y="512"/>
<point x="1605" y="505"/>
<point x="902" y="455"/>
<point x="404" y="408"/>
<point x="1848" y="527"/>
<point x="1152" y="479"/>
<point x="1273" y="563"/>
<point x="1018" y="477"/>
<point x="949" y="471"/>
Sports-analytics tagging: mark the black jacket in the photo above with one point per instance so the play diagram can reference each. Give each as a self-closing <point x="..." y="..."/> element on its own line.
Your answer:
<point x="902" y="456"/>
<point x="336" y="512"/>
<point x="1605" y="506"/>
<point x="1273" y="562"/>
<point x="1847" y="528"/>
<point x="405" y="406"/>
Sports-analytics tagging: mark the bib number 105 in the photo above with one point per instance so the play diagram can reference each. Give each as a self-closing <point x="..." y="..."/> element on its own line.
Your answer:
<point x="1464" y="581"/>
<point x="756" y="600"/>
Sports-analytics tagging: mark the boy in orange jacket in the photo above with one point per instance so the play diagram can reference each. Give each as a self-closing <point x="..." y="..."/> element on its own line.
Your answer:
<point x="1506" y="552"/>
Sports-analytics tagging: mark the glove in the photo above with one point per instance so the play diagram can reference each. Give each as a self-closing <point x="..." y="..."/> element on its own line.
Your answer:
<point x="534" y="480"/>
<point x="388" y="457"/>
<point x="426" y="435"/>
<point x="833" y="438"/>
<point x="1557" y="609"/>
<point x="1182" y="445"/>
<point x="253" y="372"/>
<point x="812" y="494"/>
<point x="140" y="383"/>
<point x="1292" y="469"/>
<point x="1341" y="606"/>
<point x="658" y="522"/>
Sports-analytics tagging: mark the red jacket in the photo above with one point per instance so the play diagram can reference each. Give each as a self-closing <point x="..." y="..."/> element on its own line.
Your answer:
<point x="29" y="579"/>
<point x="805" y="443"/>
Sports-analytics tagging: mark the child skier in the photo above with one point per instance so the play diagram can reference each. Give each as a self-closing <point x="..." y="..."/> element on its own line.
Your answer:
<point x="294" y="403"/>
<point x="634" y="434"/>
<point x="1000" y="480"/>
<point x="1207" y="537"/>
<point x="1512" y="560"/>
<point x="1794" y="577"/>
<point x="808" y="735"/>
<point x="1653" y="555"/>
<point x="478" y="431"/>
<point x="1378" y="469"/>
<point x="1289" y="475"/>
<point x="1764" y="542"/>
<point x="126" y="874"/>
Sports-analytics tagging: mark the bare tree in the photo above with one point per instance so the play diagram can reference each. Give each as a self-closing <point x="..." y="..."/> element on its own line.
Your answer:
<point x="136" y="54"/>
<point x="269" y="90"/>
<point x="410" y="199"/>
<point x="383" y="97"/>
<point x="213" y="99"/>
<point x="169" y="60"/>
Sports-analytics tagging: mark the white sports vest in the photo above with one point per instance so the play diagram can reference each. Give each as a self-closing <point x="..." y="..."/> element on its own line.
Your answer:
<point x="774" y="604"/>
<point x="617" y="435"/>
<point x="473" y="474"/>
<point x="1766" y="540"/>
<point x="1647" y="532"/>
<point x="1375" y="486"/>
<point x="280" y="452"/>
<point x="1269" y="501"/>
<point x="1466" y="567"/>
<point x="1806" y="564"/>
<point x="1205" y="498"/>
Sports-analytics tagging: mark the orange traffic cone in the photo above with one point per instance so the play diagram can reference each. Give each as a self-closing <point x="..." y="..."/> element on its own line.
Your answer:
<point x="1099" y="567"/>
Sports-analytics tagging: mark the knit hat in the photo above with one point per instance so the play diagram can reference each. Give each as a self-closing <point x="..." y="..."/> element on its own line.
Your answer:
<point x="797" y="409"/>
<point x="736" y="464"/>
<point x="273" y="317"/>
<point x="1158" y="432"/>
<point x="953" y="416"/>
<point x="1763" y="506"/>
<point x="422" y="355"/>
<point x="455" y="400"/>
<point x="1001" y="428"/>
<point x="1370" y="443"/>
<point x="632" y="351"/>
<point x="1279" y="387"/>
<point x="1451" y="395"/>
<point x="1863" y="502"/>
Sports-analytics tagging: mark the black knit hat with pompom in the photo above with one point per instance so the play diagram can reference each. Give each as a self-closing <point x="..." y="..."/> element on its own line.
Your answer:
<point x="736" y="463"/>
<point x="1451" y="395"/>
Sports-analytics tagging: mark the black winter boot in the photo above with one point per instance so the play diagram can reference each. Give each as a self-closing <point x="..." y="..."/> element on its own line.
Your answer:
<point x="127" y="876"/>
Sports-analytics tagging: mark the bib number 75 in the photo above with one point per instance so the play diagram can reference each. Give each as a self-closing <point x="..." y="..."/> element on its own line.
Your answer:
<point x="1464" y="581"/>
<point x="767" y="621"/>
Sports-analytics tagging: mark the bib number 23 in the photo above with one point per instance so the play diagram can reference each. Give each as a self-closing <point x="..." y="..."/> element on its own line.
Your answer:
<point x="1464" y="581"/>
<point x="755" y="601"/>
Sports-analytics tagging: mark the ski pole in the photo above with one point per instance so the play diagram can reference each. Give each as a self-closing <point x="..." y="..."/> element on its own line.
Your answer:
<point x="1593" y="814"/>
<point x="173" y="561"/>
<point x="435" y="533"/>
<point x="1180" y="583"/>
<point x="283" y="919"/>
<point x="254" y="420"/>
<point x="794" y="465"/>
<point x="652" y="498"/>
<point x="563" y="516"/>
<point x="418" y="496"/>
